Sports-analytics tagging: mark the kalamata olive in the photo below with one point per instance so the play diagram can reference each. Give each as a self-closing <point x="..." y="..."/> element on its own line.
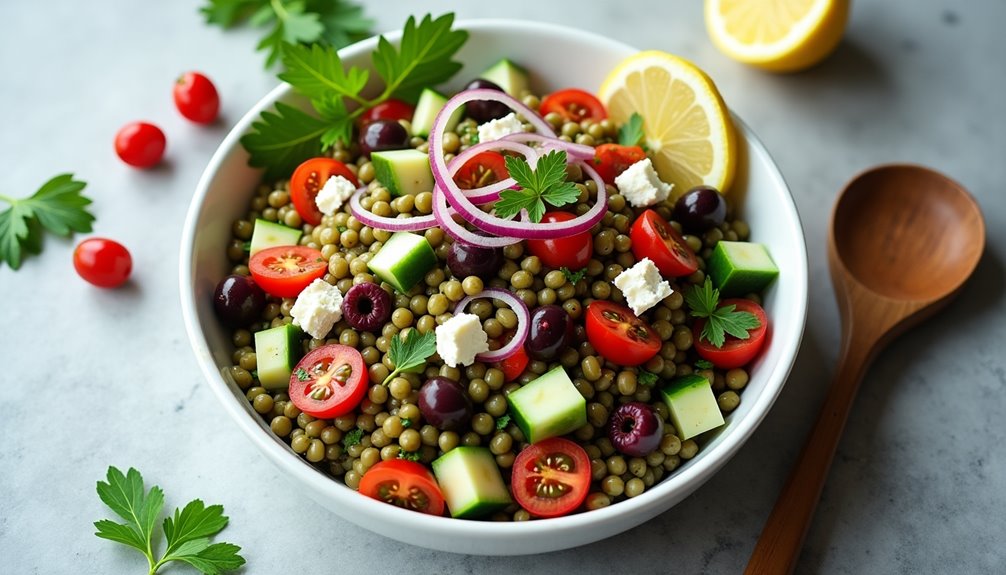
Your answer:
<point x="381" y="135"/>
<point x="467" y="260"/>
<point x="485" y="110"/>
<point x="699" y="209"/>
<point x="238" y="300"/>
<point x="444" y="404"/>
<point x="366" y="306"/>
<point x="551" y="330"/>
<point x="635" y="429"/>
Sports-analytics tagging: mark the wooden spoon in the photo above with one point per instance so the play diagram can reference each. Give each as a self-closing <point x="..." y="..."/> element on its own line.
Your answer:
<point x="903" y="241"/>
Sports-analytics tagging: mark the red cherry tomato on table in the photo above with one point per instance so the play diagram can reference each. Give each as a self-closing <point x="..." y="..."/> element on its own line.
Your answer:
<point x="573" y="105"/>
<point x="610" y="160"/>
<point x="329" y="382"/>
<point x="734" y="352"/>
<point x="140" y="144"/>
<point x="196" y="98"/>
<point x="403" y="483"/>
<point x="482" y="170"/>
<point x="619" y="335"/>
<point x="571" y="252"/>
<point x="285" y="271"/>
<point x="308" y="179"/>
<point x="551" y="478"/>
<point x="652" y="237"/>
<point x="102" y="262"/>
<point x="390" y="109"/>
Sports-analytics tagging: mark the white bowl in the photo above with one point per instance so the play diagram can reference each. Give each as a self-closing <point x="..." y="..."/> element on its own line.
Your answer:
<point x="557" y="57"/>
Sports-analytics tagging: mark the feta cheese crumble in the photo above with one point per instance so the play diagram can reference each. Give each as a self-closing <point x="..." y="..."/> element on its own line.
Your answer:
<point x="496" y="129"/>
<point x="333" y="194"/>
<point x="317" y="308"/>
<point x="642" y="286"/>
<point x="460" y="338"/>
<point x="640" y="185"/>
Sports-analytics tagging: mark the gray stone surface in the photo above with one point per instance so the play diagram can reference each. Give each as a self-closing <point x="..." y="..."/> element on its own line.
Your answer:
<point x="93" y="377"/>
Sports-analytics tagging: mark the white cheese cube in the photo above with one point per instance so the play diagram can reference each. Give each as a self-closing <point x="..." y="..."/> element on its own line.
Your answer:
<point x="640" y="185"/>
<point x="642" y="286"/>
<point x="496" y="129"/>
<point x="460" y="338"/>
<point x="317" y="308"/>
<point x="333" y="194"/>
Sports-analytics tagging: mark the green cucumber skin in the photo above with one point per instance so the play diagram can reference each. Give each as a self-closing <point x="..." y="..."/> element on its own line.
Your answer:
<point x="503" y="73"/>
<point x="292" y="344"/>
<point x="286" y="236"/>
<point x="681" y="384"/>
<point x="734" y="280"/>
<point x="385" y="171"/>
<point x="429" y="105"/>
<point x="403" y="267"/>
<point x="484" y="503"/>
<point x="571" y="419"/>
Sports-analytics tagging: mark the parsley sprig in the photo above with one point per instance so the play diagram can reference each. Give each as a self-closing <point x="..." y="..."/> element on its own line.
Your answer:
<point x="57" y="207"/>
<point x="704" y="303"/>
<point x="571" y="276"/>
<point x="410" y="352"/>
<point x="187" y="531"/>
<point x="283" y="138"/>
<point x="631" y="132"/>
<point x="546" y="182"/>
<point x="647" y="378"/>
<point x="502" y="422"/>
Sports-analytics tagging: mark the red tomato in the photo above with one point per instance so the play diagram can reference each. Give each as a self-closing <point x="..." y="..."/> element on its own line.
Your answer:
<point x="405" y="484"/>
<point x="551" y="478"/>
<point x="514" y="365"/>
<point x="196" y="98"/>
<point x="140" y="144"/>
<point x="654" y="238"/>
<point x="610" y="160"/>
<point x="329" y="382"/>
<point x="617" y="334"/>
<point x="102" y="262"/>
<point x="735" y="352"/>
<point x="308" y="179"/>
<point x="390" y="109"/>
<point x="571" y="252"/>
<point x="573" y="105"/>
<point x="285" y="271"/>
<point x="481" y="170"/>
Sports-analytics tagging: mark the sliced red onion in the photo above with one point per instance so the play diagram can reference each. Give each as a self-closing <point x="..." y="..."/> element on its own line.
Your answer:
<point x="490" y="193"/>
<point x="458" y="231"/>
<point x="368" y="218"/>
<point x="523" y="322"/>
<point x="574" y="151"/>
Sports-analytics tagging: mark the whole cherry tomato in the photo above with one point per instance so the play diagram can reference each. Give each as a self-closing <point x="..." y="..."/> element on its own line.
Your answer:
<point x="102" y="262"/>
<point x="196" y="98"/>
<point x="140" y="144"/>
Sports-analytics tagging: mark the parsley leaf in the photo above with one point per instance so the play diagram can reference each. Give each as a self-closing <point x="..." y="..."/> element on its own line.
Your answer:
<point x="423" y="58"/>
<point x="187" y="531"/>
<point x="631" y="132"/>
<point x="57" y="207"/>
<point x="546" y="182"/>
<point x="280" y="140"/>
<point x="406" y="422"/>
<point x="573" y="277"/>
<point x="302" y="374"/>
<point x="703" y="364"/>
<point x="502" y="422"/>
<point x="720" y="320"/>
<point x="352" y="438"/>
<point x="410" y="352"/>
<point x="646" y="378"/>
<point x="409" y="455"/>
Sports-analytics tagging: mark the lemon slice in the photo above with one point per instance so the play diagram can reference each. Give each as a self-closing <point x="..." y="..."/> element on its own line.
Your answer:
<point x="777" y="35"/>
<point x="687" y="126"/>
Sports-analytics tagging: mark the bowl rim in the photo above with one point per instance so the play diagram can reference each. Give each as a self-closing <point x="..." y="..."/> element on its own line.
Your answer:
<point x="349" y="500"/>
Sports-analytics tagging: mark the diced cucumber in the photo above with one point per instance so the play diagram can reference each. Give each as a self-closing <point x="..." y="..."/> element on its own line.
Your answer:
<point x="548" y="406"/>
<point x="268" y="234"/>
<point x="403" y="260"/>
<point x="403" y="172"/>
<point x="509" y="76"/>
<point x="471" y="482"/>
<point x="692" y="405"/>
<point x="277" y="351"/>
<point x="739" y="268"/>
<point x="429" y="105"/>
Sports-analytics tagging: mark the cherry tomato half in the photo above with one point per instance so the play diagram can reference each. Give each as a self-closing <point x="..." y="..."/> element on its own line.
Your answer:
<point x="329" y="382"/>
<point x="140" y="144"/>
<point x="551" y="478"/>
<point x="482" y="170"/>
<point x="308" y="179"/>
<point x="390" y="109"/>
<point x="405" y="484"/>
<point x="102" y="262"/>
<point x="196" y="98"/>
<point x="618" y="335"/>
<point x="610" y="160"/>
<point x="654" y="238"/>
<point x="573" y="105"/>
<point x="571" y="252"/>
<point x="734" y="352"/>
<point x="285" y="271"/>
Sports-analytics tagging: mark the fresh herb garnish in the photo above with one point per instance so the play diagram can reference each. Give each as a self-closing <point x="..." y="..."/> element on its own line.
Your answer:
<point x="406" y="422"/>
<point x="246" y="246"/>
<point x="502" y="422"/>
<point x="573" y="277"/>
<point x="280" y="140"/>
<point x="352" y="438"/>
<point x="336" y="23"/>
<point x="254" y="374"/>
<point x="703" y="364"/>
<point x="410" y="352"/>
<point x="57" y="207"/>
<point x="646" y="378"/>
<point x="545" y="183"/>
<point x="302" y="374"/>
<point x="409" y="455"/>
<point x="703" y="302"/>
<point x="631" y="132"/>
<point x="187" y="531"/>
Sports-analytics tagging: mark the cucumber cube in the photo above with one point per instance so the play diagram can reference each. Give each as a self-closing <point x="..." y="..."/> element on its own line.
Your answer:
<point x="692" y="405"/>
<point x="429" y="105"/>
<point x="277" y="352"/>
<point x="548" y="406"/>
<point x="403" y="172"/>
<point x="471" y="482"/>
<point x="739" y="268"/>
<point x="403" y="260"/>
<point x="268" y="234"/>
<point x="509" y="76"/>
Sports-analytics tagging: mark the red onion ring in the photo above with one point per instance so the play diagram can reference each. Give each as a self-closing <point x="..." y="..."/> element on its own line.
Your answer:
<point x="490" y="193"/>
<point x="523" y="322"/>
<point x="368" y="218"/>
<point x="574" y="151"/>
<point x="459" y="232"/>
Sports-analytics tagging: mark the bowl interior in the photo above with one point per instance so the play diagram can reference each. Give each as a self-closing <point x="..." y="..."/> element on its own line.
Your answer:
<point x="573" y="59"/>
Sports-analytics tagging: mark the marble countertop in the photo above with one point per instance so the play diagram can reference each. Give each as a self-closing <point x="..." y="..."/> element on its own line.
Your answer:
<point x="93" y="378"/>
